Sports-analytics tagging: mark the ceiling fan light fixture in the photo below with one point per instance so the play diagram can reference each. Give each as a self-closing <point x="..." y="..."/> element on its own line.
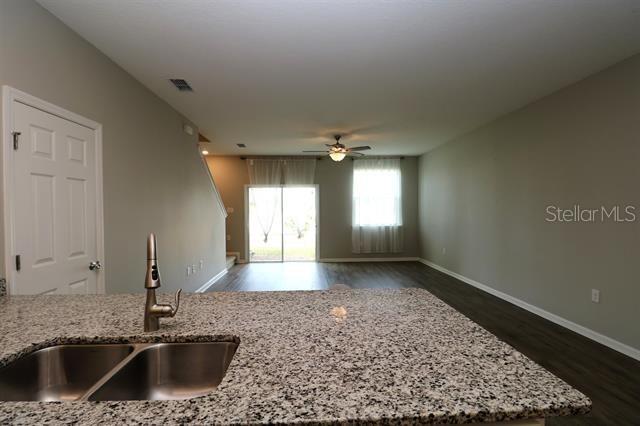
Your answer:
<point x="337" y="155"/>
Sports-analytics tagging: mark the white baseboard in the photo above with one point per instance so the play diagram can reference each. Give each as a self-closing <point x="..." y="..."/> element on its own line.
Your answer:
<point x="586" y="332"/>
<point x="370" y="259"/>
<point x="204" y="287"/>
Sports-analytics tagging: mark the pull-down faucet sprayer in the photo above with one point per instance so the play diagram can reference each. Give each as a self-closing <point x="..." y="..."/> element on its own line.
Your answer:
<point x="153" y="311"/>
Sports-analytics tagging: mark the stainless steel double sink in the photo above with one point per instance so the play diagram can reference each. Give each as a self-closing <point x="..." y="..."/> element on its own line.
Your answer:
<point x="113" y="372"/>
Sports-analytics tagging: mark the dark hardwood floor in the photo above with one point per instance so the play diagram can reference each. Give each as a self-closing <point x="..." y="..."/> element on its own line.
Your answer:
<point x="610" y="379"/>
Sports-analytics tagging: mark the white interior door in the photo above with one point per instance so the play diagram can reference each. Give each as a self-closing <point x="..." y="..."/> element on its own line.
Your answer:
<point x="54" y="209"/>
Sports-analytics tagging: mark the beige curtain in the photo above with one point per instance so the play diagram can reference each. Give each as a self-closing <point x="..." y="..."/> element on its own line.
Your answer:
<point x="376" y="239"/>
<point x="377" y="206"/>
<point x="279" y="171"/>
<point x="265" y="172"/>
<point x="299" y="172"/>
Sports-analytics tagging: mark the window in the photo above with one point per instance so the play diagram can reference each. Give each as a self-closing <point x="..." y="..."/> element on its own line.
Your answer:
<point x="377" y="192"/>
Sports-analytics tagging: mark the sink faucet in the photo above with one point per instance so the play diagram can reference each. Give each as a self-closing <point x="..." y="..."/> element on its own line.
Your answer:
<point x="153" y="311"/>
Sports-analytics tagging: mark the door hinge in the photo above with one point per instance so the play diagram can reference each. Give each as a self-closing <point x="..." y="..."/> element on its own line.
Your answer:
<point x="18" y="265"/>
<point x="16" y="140"/>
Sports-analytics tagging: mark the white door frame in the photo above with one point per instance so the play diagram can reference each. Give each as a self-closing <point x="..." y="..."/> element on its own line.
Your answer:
<point x="9" y="96"/>
<point x="247" y="254"/>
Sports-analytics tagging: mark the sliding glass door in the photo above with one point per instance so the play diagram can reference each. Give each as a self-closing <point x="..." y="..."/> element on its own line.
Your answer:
<point x="265" y="224"/>
<point x="299" y="223"/>
<point x="282" y="223"/>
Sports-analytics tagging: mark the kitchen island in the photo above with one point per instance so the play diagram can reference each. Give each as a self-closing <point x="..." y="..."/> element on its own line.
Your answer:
<point x="320" y="357"/>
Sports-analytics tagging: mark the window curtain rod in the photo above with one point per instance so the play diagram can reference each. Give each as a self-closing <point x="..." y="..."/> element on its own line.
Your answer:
<point x="308" y="157"/>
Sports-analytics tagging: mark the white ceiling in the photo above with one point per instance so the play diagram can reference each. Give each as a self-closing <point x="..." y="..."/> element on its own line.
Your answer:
<point x="411" y="74"/>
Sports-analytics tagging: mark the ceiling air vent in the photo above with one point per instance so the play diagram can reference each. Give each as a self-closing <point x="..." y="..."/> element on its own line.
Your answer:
<point x="241" y="145"/>
<point x="181" y="84"/>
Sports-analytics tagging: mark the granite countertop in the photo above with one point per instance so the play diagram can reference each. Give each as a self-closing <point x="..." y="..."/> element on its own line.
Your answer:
<point x="398" y="355"/>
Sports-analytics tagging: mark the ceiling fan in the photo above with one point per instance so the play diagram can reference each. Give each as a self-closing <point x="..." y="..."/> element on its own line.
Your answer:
<point x="338" y="151"/>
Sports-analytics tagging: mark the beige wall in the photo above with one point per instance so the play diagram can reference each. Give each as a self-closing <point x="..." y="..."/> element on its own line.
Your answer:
<point x="483" y="197"/>
<point x="334" y="181"/>
<point x="154" y="179"/>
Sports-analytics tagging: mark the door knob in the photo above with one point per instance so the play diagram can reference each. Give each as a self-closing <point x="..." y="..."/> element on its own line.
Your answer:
<point x="95" y="265"/>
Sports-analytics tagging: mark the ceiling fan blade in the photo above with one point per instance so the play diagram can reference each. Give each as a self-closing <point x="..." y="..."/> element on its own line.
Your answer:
<point x="356" y="154"/>
<point x="324" y="152"/>
<point x="360" y="148"/>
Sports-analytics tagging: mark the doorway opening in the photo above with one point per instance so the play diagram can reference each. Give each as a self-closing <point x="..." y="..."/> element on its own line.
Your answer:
<point x="282" y="223"/>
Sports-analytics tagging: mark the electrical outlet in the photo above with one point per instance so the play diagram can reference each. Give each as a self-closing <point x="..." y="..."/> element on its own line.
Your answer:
<point x="201" y="263"/>
<point x="193" y="269"/>
<point x="595" y="295"/>
<point x="188" y="270"/>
